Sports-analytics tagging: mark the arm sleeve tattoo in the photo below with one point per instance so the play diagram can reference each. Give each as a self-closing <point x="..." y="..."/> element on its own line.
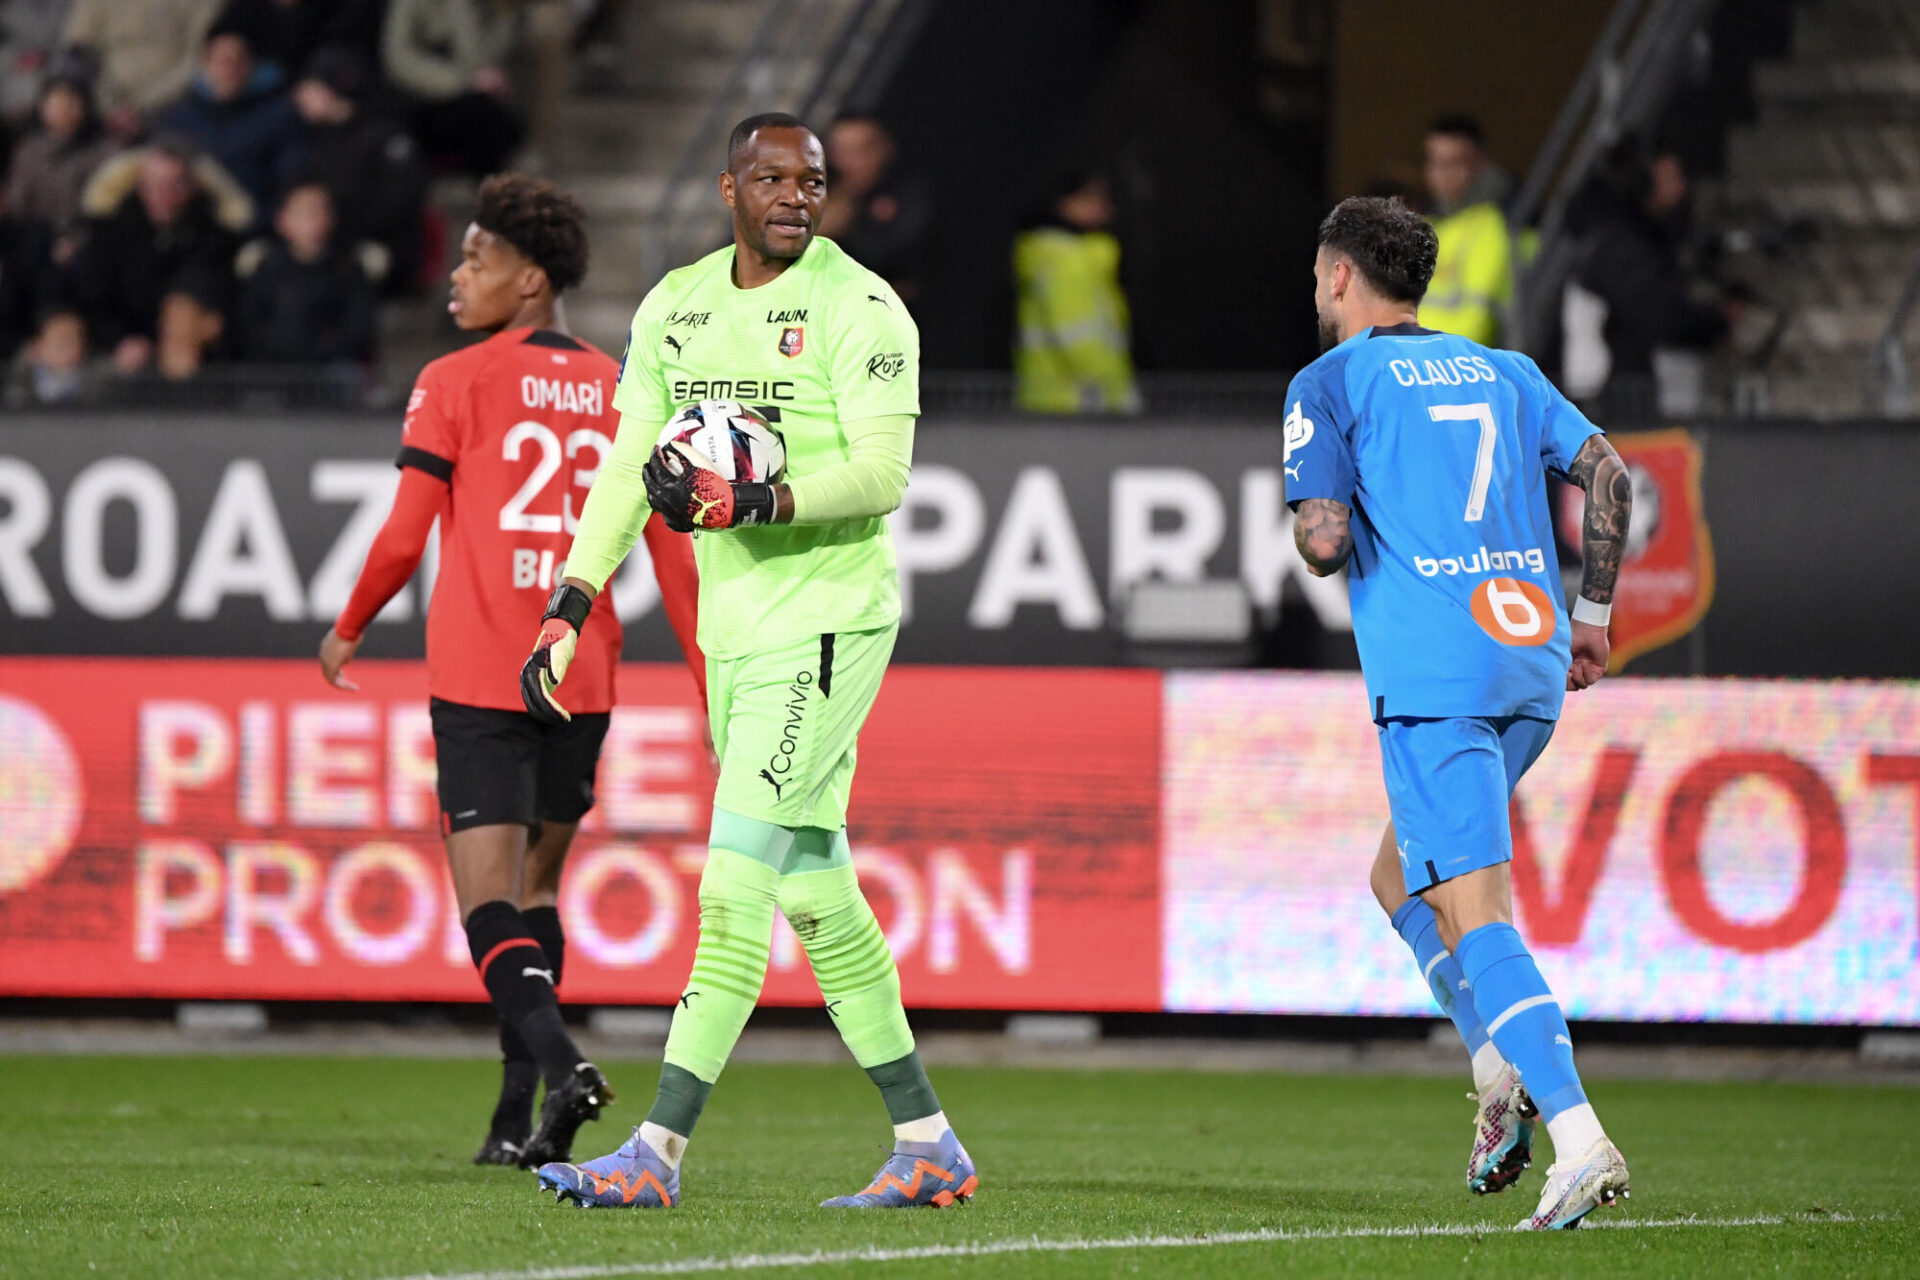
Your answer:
<point x="1603" y="537"/>
<point x="1323" y="532"/>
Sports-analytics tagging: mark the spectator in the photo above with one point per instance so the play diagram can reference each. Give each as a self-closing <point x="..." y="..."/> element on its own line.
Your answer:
<point x="239" y="113"/>
<point x="369" y="163"/>
<point x="1073" y="352"/>
<point x="286" y="33"/>
<point x="146" y="51"/>
<point x="26" y="276"/>
<point x="154" y="277"/>
<point x="52" y="165"/>
<point x="307" y="301"/>
<point x="29" y="37"/>
<point x="446" y="55"/>
<point x="1473" y="277"/>
<point x="879" y="218"/>
<point x="1638" y="223"/>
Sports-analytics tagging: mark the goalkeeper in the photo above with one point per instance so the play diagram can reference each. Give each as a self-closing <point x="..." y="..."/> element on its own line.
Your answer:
<point x="799" y="606"/>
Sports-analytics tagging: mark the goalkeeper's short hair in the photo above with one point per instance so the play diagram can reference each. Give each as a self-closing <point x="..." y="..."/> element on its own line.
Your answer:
<point x="744" y="131"/>
<point x="543" y="222"/>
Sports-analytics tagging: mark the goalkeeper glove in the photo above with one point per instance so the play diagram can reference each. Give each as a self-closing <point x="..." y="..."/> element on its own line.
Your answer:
<point x="689" y="496"/>
<point x="542" y="673"/>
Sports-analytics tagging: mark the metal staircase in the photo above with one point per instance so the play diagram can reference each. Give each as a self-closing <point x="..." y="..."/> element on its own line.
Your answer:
<point x="1837" y="142"/>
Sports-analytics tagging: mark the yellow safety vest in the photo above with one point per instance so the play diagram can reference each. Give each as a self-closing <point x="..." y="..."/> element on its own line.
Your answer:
<point x="1071" y="354"/>
<point x="1473" y="277"/>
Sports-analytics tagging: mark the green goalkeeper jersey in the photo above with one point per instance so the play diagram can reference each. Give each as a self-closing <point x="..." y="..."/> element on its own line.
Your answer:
<point x="826" y="342"/>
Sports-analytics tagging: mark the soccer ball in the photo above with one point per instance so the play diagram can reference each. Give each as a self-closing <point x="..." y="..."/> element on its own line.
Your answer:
<point x="727" y="437"/>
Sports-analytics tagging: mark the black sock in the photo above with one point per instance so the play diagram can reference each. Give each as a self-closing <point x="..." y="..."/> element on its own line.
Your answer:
<point x="544" y="924"/>
<point x="519" y="977"/>
<point x="520" y="1075"/>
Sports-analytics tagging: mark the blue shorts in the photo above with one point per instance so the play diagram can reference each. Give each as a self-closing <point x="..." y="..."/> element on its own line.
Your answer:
<point x="1448" y="783"/>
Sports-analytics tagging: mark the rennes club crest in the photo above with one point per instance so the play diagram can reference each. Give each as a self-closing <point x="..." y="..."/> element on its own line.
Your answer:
<point x="1666" y="575"/>
<point x="793" y="341"/>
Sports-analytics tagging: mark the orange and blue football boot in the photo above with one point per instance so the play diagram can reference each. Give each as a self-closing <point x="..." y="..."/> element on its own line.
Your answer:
<point x="917" y="1173"/>
<point x="634" y="1177"/>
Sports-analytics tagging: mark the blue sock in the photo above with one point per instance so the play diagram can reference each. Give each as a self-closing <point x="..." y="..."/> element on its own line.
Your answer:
<point x="1521" y="1015"/>
<point x="1415" y="923"/>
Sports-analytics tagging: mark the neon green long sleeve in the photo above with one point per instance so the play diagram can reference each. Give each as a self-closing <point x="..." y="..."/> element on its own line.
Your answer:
<point x="871" y="482"/>
<point x="616" y="509"/>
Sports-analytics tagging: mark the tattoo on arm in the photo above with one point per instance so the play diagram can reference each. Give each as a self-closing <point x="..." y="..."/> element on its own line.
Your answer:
<point x="1598" y="470"/>
<point x="1323" y="532"/>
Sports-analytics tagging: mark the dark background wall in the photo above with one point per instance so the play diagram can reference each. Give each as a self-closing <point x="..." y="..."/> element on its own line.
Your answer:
<point x="1398" y="63"/>
<point x="1219" y="182"/>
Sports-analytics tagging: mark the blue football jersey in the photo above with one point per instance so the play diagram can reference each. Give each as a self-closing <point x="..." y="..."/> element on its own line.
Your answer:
<point x="1441" y="448"/>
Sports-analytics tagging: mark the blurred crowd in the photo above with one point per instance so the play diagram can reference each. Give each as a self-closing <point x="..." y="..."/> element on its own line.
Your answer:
<point x="202" y="182"/>
<point x="196" y="184"/>
<point x="1630" y="325"/>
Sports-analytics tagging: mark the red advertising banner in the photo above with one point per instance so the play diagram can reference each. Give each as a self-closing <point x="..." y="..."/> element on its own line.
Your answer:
<point x="229" y="828"/>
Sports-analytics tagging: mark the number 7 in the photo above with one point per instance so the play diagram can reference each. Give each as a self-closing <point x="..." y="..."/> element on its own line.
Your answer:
<point x="1483" y="456"/>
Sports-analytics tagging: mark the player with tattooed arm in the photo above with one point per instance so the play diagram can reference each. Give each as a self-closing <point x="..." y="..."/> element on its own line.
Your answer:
<point x="1419" y="460"/>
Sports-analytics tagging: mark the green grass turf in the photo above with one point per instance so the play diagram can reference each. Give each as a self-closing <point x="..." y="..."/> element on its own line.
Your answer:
<point x="215" y="1167"/>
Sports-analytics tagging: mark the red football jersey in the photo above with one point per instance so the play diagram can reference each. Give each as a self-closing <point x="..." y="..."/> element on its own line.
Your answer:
<point x="517" y="425"/>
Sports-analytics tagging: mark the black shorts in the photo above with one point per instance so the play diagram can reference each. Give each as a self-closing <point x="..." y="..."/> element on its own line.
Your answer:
<point x="506" y="767"/>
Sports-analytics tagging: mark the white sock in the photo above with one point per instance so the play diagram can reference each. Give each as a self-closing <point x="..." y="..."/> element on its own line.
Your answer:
<point x="1487" y="1065"/>
<point x="1574" y="1130"/>
<point x="926" y="1129"/>
<point x="666" y="1144"/>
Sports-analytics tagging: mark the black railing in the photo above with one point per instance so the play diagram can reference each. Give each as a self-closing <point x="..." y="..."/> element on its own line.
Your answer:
<point x="1626" y="82"/>
<point x="1890" y="379"/>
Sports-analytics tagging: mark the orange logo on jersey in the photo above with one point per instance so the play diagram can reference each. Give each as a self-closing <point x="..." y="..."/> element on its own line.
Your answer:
<point x="1514" y="612"/>
<point x="793" y="341"/>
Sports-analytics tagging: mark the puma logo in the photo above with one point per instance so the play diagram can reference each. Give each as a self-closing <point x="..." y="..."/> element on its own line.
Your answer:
<point x="686" y="1000"/>
<point x="773" y="782"/>
<point x="831" y="1006"/>
<point x="675" y="344"/>
<point x="531" y="972"/>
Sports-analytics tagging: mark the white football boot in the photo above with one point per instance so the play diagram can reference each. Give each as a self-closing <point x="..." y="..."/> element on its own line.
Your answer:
<point x="1502" y="1134"/>
<point x="1576" y="1187"/>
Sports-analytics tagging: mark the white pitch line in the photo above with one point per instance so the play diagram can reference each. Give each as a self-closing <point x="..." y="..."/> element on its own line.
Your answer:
<point x="990" y="1248"/>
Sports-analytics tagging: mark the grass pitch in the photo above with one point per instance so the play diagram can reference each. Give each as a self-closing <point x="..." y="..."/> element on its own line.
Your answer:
<point x="215" y="1167"/>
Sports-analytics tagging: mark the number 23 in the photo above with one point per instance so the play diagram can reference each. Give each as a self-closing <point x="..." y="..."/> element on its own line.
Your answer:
<point x="514" y="517"/>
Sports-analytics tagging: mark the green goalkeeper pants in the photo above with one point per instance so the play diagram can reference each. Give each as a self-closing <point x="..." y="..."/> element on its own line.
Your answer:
<point x="785" y="722"/>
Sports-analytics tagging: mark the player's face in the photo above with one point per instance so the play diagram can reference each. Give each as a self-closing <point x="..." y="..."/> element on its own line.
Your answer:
<point x="776" y="192"/>
<point x="1327" y="277"/>
<point x="490" y="283"/>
